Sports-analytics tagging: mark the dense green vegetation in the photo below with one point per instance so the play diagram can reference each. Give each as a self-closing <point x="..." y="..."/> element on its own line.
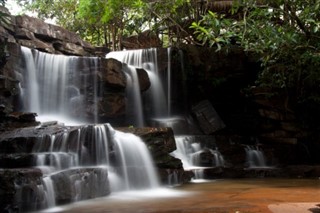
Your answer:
<point x="285" y="34"/>
<point x="106" y="22"/>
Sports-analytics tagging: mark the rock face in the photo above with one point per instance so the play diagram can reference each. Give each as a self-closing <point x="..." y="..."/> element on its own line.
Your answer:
<point x="144" y="40"/>
<point x="36" y="34"/>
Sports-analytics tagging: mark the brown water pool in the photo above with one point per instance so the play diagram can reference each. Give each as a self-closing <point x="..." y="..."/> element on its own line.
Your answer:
<point x="219" y="196"/>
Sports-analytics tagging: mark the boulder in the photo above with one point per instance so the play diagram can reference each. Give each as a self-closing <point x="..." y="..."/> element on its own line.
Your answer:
<point x="111" y="73"/>
<point x="207" y="117"/>
<point x="44" y="31"/>
<point x="80" y="184"/>
<point x="145" y="39"/>
<point x="144" y="80"/>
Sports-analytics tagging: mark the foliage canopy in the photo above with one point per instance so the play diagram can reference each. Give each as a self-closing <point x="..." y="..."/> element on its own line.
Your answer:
<point x="284" y="33"/>
<point x="106" y="22"/>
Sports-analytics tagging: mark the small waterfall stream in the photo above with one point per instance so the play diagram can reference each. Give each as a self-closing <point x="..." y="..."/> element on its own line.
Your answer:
<point x="196" y="157"/>
<point x="255" y="157"/>
<point x="156" y="95"/>
<point x="54" y="86"/>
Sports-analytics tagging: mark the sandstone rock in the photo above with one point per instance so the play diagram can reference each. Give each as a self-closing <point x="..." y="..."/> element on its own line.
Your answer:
<point x="65" y="41"/>
<point x="80" y="184"/>
<point x="45" y="31"/>
<point x="101" y="51"/>
<point x="69" y="48"/>
<point x="22" y="33"/>
<point x="37" y="44"/>
<point x="144" y="80"/>
<point x="208" y="119"/>
<point x="111" y="73"/>
<point x="9" y="24"/>
<point x="146" y="39"/>
<point x="8" y="86"/>
<point x="19" y="190"/>
<point x="5" y="34"/>
<point x="112" y="105"/>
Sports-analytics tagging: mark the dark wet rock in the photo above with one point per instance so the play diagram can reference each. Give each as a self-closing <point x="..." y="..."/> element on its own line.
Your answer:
<point x="144" y="80"/>
<point x="112" y="74"/>
<point x="207" y="117"/>
<point x="302" y="171"/>
<point x="80" y="184"/>
<point x="174" y="177"/>
<point x="69" y="48"/>
<point x="16" y="160"/>
<point x="19" y="190"/>
<point x="112" y="105"/>
<point x="25" y="140"/>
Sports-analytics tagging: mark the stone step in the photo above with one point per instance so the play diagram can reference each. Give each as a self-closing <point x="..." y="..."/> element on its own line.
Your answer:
<point x="25" y="190"/>
<point x="58" y="160"/>
<point x="31" y="139"/>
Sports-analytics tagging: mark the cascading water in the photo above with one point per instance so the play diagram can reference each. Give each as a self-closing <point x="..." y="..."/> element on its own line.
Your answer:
<point x="169" y="82"/>
<point x="146" y="59"/>
<point x="79" y="162"/>
<point x="90" y="161"/>
<point x="195" y="157"/>
<point x="255" y="157"/>
<point x="51" y="84"/>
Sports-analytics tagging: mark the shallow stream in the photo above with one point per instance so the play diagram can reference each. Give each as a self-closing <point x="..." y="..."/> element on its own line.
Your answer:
<point x="219" y="196"/>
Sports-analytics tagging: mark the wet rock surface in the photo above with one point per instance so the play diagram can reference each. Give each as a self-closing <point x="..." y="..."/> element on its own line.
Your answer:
<point x="19" y="190"/>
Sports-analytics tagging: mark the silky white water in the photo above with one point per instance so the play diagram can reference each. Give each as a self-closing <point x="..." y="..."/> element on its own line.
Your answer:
<point x="51" y="85"/>
<point x="156" y="95"/>
<point x="255" y="157"/>
<point x="94" y="157"/>
<point x="189" y="151"/>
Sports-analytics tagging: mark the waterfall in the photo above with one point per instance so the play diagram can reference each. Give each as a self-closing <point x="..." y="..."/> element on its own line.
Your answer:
<point x="147" y="60"/>
<point x="134" y="98"/>
<point x="196" y="157"/>
<point x="49" y="192"/>
<point x="169" y="82"/>
<point x="54" y="86"/>
<point x="255" y="157"/>
<point x="137" y="169"/>
<point x="79" y="162"/>
<point x="96" y="159"/>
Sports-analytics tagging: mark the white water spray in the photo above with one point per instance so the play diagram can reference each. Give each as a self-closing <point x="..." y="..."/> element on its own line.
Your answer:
<point x="190" y="151"/>
<point x="147" y="60"/>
